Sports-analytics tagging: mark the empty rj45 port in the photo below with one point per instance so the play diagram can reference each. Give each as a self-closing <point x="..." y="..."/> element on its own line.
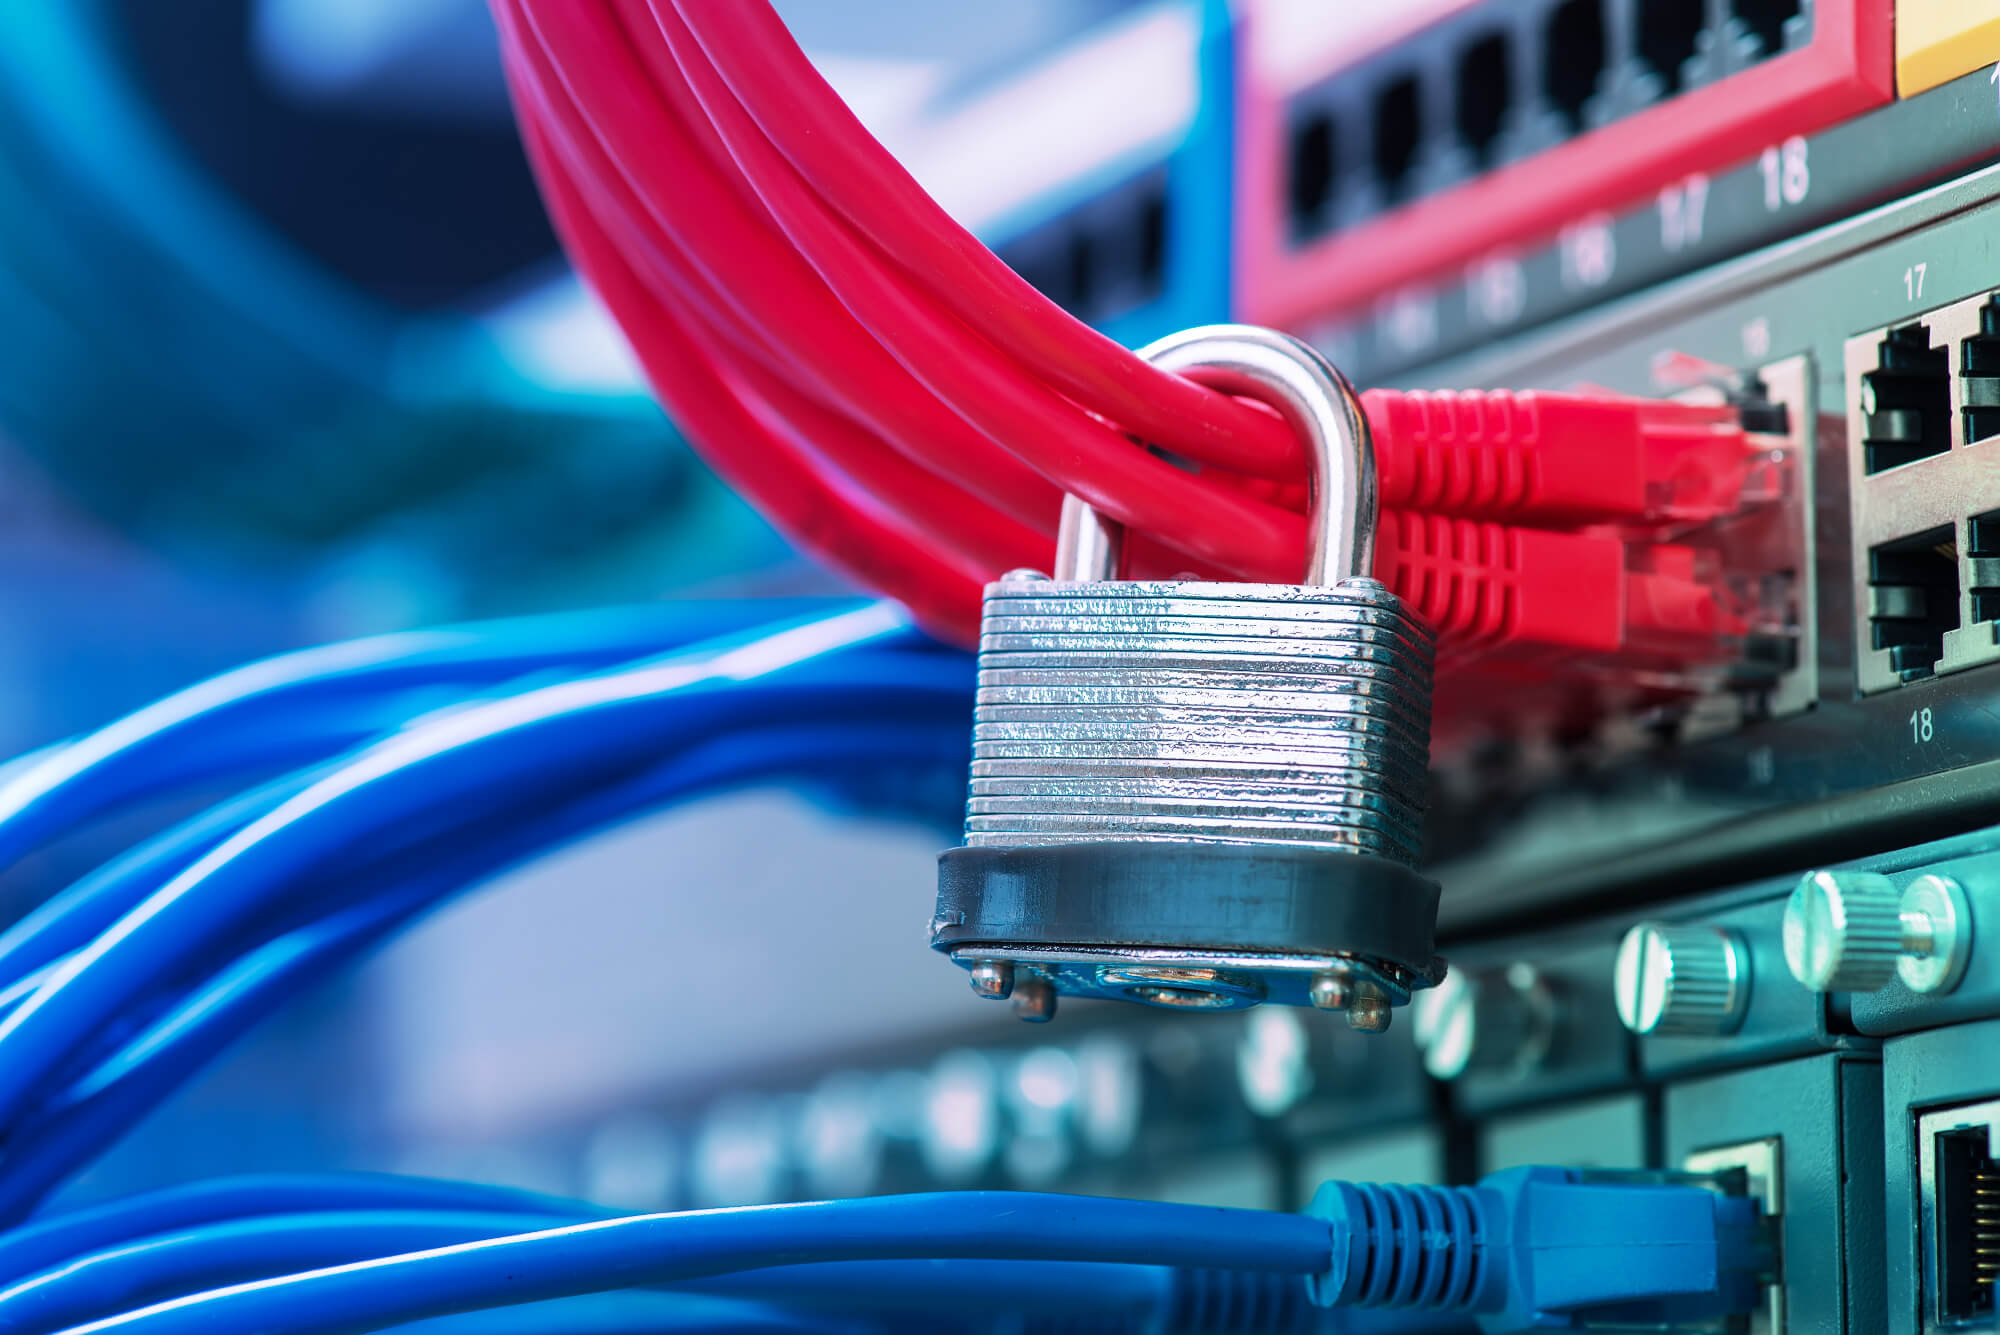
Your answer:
<point x="1913" y="600"/>
<point x="1979" y="376"/>
<point x="1669" y="32"/>
<point x="1764" y="21"/>
<point x="1574" y="54"/>
<point x="1905" y="401"/>
<point x="1399" y="129"/>
<point x="1961" y="1203"/>
<point x="1485" y="89"/>
<point x="1313" y="172"/>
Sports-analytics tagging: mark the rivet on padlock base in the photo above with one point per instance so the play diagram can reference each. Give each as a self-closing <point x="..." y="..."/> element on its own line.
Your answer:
<point x="1204" y="795"/>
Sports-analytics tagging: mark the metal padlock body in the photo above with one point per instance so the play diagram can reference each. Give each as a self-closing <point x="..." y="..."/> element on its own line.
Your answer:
<point x="1203" y="794"/>
<point x="1250" y="713"/>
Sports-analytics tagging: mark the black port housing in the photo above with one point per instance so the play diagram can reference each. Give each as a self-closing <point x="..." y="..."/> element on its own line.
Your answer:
<point x="1765" y="21"/>
<point x="1080" y="272"/>
<point x="1574" y="55"/>
<point x="1982" y="565"/>
<point x="1979" y="376"/>
<point x="1906" y="401"/>
<point x="1758" y="411"/>
<point x="1966" y="1181"/>
<point x="1913" y="600"/>
<point x="1485" y="89"/>
<point x="1312" y="178"/>
<point x="1668" y="31"/>
<point x="1103" y="258"/>
<point x="1398" y="130"/>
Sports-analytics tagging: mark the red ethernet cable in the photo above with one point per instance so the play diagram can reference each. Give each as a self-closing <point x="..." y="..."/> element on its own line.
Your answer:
<point x="909" y="410"/>
<point x="1217" y="526"/>
<point x="757" y="284"/>
<point x="824" y="516"/>
<point x="807" y="121"/>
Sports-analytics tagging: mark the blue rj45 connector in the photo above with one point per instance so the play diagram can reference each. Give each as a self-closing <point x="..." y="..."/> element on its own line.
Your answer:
<point x="1546" y="1249"/>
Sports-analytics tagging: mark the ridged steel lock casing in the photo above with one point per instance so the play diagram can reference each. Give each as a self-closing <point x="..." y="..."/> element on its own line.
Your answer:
<point x="1226" y="713"/>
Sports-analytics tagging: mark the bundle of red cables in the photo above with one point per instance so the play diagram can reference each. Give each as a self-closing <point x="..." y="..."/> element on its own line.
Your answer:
<point x="888" y="392"/>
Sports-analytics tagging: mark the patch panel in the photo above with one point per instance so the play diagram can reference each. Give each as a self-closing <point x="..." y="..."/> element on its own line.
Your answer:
<point x="1408" y="161"/>
<point x="1921" y="400"/>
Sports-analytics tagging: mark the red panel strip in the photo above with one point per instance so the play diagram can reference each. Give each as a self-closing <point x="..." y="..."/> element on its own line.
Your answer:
<point x="1847" y="69"/>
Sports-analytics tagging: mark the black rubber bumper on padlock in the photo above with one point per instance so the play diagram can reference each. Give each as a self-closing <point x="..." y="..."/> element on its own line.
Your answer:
<point x="1220" y="897"/>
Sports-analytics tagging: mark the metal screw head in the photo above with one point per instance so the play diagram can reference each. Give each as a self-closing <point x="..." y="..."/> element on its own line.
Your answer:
<point x="1843" y="931"/>
<point x="1331" y="992"/>
<point x="1034" y="1000"/>
<point x="1446" y="1018"/>
<point x="1941" y="902"/>
<point x="1672" y="978"/>
<point x="993" y="979"/>
<point x="1500" y="1021"/>
<point x="1369" y="1011"/>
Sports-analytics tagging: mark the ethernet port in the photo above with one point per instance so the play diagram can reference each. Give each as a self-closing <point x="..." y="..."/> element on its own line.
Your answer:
<point x="1960" y="1168"/>
<point x="1574" y="54"/>
<point x="1485" y="90"/>
<point x="1979" y="376"/>
<point x="1152" y="241"/>
<point x="1668" y="33"/>
<point x="1127" y="235"/>
<point x="1080" y="264"/>
<point x="1913" y="600"/>
<point x="1905" y="401"/>
<point x="1314" y="172"/>
<point x="1765" y="21"/>
<point x="1982" y="565"/>
<point x="1398" y="130"/>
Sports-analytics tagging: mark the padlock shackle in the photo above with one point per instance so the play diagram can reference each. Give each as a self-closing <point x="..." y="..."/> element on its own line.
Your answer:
<point x="1313" y="397"/>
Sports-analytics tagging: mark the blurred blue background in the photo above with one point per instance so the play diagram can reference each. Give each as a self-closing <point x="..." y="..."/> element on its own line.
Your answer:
<point x="291" y="354"/>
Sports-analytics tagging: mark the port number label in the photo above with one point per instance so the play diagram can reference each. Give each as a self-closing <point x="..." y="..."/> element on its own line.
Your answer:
<point x="1757" y="338"/>
<point x="1913" y="281"/>
<point x="1787" y="176"/>
<point x="1589" y="253"/>
<point x="1682" y="208"/>
<point x="1920" y="725"/>
<point x="1408" y="321"/>
<point x="1497" y="289"/>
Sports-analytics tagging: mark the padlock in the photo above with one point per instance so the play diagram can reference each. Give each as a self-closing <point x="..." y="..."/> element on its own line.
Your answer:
<point x="1204" y="795"/>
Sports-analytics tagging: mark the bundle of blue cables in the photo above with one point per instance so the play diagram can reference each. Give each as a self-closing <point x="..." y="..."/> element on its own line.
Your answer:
<point x="409" y="768"/>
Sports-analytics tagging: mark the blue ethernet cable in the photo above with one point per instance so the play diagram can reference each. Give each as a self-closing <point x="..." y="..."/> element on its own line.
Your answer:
<point x="54" y="1239"/>
<point x="468" y="756"/>
<point x="1524" y="1250"/>
<point x="104" y="1283"/>
<point x="67" y="920"/>
<point x="1095" y="1294"/>
<point x="184" y="1240"/>
<point x="64" y="1132"/>
<point x="881" y="691"/>
<point x="669" y="1314"/>
<point x="574" y="1259"/>
<point x="308" y="704"/>
<point x="1097" y="1297"/>
<point x="170" y="1264"/>
<point x="88" y="1287"/>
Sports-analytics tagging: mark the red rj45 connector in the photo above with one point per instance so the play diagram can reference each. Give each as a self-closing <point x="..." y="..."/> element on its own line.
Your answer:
<point x="1561" y="460"/>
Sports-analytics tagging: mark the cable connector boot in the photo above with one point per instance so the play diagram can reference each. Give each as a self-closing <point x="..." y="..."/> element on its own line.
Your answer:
<point x="1548" y="1248"/>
